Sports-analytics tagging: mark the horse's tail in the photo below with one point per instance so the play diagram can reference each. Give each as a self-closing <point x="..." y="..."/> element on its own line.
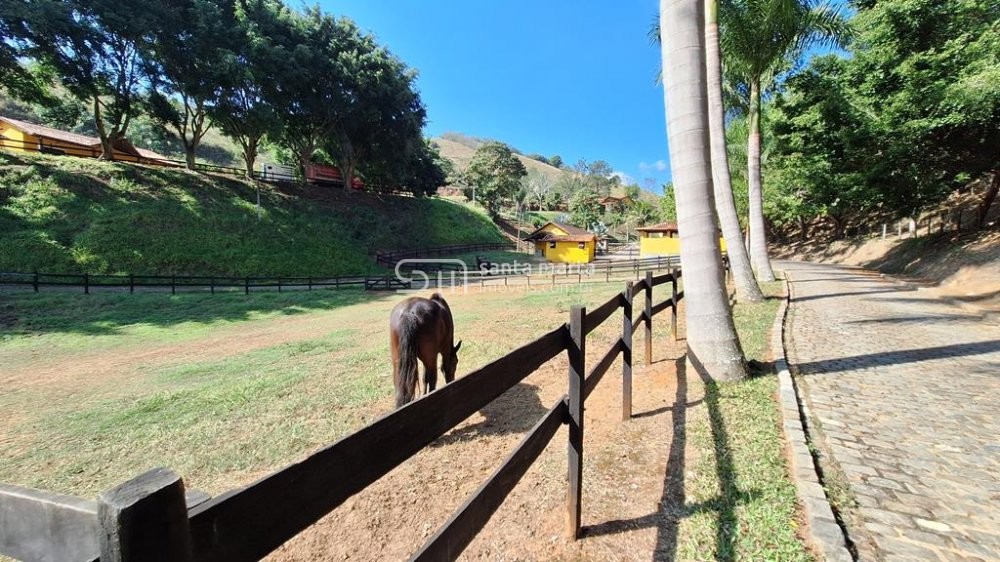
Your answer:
<point x="406" y="379"/>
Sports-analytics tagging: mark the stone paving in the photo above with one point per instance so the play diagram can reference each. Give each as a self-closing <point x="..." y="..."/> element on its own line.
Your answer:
<point x="906" y="391"/>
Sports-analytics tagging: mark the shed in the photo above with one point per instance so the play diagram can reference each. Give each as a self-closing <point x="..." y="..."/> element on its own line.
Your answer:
<point x="663" y="239"/>
<point x="21" y="136"/>
<point x="563" y="243"/>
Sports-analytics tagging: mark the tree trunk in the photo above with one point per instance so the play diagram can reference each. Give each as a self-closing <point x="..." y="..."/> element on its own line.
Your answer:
<point x="746" y="286"/>
<point x="189" y="155"/>
<point x="987" y="202"/>
<point x="713" y="347"/>
<point x="250" y="145"/>
<point x="107" y="146"/>
<point x="803" y="229"/>
<point x="758" y="236"/>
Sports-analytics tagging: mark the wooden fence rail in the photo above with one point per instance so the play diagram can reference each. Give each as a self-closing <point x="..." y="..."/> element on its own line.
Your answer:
<point x="146" y="518"/>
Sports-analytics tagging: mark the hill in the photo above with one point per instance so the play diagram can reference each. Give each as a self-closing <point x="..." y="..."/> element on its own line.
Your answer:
<point x="64" y="214"/>
<point x="460" y="154"/>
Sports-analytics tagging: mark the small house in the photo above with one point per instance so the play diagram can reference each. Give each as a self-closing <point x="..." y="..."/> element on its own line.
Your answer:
<point x="612" y="203"/>
<point x="562" y="243"/>
<point x="663" y="240"/>
<point x="21" y="136"/>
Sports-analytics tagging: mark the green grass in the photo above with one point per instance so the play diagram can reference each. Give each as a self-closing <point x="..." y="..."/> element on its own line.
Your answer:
<point x="740" y="501"/>
<point x="225" y="419"/>
<point x="78" y="215"/>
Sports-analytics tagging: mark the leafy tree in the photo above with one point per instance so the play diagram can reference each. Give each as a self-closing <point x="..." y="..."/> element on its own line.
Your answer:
<point x="556" y="161"/>
<point x="928" y="73"/>
<point x="585" y="208"/>
<point x="95" y="49"/>
<point x="243" y="111"/>
<point x="758" y="39"/>
<point x="496" y="174"/>
<point x="426" y="170"/>
<point x="382" y="114"/>
<point x="191" y="60"/>
<point x="668" y="204"/>
<point x="713" y="346"/>
<point x="538" y="158"/>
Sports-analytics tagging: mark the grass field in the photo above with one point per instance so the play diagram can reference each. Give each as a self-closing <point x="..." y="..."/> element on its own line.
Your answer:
<point x="225" y="388"/>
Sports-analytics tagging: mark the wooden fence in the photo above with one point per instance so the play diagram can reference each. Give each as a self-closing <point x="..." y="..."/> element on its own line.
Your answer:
<point x="150" y="518"/>
<point x="416" y="276"/>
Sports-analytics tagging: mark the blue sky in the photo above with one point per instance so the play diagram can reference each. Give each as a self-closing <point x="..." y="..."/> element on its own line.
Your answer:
<point x="553" y="77"/>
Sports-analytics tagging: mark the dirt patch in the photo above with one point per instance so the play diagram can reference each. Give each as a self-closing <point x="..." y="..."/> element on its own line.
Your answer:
<point x="624" y="486"/>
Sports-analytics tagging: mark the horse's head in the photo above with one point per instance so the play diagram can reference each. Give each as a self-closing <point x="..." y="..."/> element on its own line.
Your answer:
<point x="449" y="364"/>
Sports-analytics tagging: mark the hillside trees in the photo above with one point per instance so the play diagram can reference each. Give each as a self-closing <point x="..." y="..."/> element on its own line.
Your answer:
<point x="585" y="209"/>
<point x="911" y="116"/>
<point x="758" y="39"/>
<point x="191" y="61"/>
<point x="496" y="174"/>
<point x="96" y="50"/>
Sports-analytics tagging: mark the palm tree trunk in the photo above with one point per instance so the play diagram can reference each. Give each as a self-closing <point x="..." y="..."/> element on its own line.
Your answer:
<point x="746" y="286"/>
<point x="758" y="238"/>
<point x="713" y="347"/>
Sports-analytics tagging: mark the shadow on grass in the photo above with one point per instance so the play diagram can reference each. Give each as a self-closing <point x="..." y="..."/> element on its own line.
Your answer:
<point x="673" y="506"/>
<point x="108" y="314"/>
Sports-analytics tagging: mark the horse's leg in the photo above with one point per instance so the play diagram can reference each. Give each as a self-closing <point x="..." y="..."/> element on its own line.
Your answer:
<point x="430" y="375"/>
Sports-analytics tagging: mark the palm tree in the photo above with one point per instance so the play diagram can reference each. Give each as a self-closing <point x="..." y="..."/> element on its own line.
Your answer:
<point x="746" y="285"/>
<point x="713" y="347"/>
<point x="759" y="38"/>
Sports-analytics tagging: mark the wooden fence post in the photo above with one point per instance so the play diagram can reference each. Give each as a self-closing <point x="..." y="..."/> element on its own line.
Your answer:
<point x="576" y="352"/>
<point x="86" y="283"/>
<point x="34" y="281"/>
<point x="607" y="272"/>
<point x="246" y="286"/>
<point x="673" y="306"/>
<point x="173" y="284"/>
<point x="649" y="317"/>
<point x="145" y="519"/>
<point x="211" y="284"/>
<point x="131" y="283"/>
<point x="627" y="353"/>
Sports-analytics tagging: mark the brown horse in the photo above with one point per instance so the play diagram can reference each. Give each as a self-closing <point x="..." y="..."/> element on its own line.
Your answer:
<point x="421" y="328"/>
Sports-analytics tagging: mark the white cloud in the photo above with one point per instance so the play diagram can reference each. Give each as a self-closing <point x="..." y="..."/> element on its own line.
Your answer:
<point x="623" y="178"/>
<point x="659" y="166"/>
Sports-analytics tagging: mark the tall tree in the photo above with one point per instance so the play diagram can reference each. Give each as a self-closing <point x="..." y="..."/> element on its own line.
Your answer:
<point x="496" y="174"/>
<point x="242" y="109"/>
<point x="758" y="38"/>
<point x="746" y="285"/>
<point x="713" y="346"/>
<point x="381" y="116"/>
<point x="189" y="63"/>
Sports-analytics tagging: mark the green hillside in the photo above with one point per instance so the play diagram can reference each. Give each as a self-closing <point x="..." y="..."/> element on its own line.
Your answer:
<point x="61" y="214"/>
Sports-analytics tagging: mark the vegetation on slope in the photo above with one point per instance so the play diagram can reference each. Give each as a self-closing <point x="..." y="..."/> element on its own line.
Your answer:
<point x="74" y="215"/>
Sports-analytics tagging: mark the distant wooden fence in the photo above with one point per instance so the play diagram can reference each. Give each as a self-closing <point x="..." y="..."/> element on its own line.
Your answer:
<point x="149" y="518"/>
<point x="414" y="276"/>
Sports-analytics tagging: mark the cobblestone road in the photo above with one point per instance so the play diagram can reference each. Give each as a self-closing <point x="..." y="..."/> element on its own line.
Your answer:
<point x="906" y="390"/>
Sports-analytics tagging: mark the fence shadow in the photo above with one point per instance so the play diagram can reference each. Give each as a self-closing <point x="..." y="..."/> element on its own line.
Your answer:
<point x="515" y="411"/>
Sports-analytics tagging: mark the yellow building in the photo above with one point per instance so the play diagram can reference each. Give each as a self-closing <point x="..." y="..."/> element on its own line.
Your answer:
<point x="562" y="243"/>
<point x="20" y="136"/>
<point x="663" y="240"/>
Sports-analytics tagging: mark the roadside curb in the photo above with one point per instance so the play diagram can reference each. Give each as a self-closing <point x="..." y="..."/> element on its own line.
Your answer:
<point x="825" y="534"/>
